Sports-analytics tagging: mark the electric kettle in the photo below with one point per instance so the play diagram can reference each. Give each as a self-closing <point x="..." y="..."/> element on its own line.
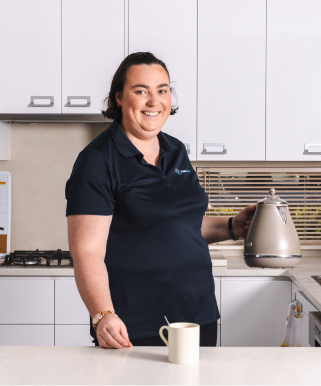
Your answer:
<point x="272" y="240"/>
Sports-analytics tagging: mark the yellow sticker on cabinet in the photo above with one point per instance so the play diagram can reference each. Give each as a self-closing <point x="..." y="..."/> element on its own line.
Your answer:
<point x="2" y="183"/>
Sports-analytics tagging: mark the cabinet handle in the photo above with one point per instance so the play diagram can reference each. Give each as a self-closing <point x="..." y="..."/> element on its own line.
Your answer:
<point x="188" y="148"/>
<point x="33" y="104"/>
<point x="312" y="148"/>
<point x="214" y="148"/>
<point x="69" y="104"/>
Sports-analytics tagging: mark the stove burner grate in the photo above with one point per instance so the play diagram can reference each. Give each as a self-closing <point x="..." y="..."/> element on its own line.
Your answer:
<point x="43" y="258"/>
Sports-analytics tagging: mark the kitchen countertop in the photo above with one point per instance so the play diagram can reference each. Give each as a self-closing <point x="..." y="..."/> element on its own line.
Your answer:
<point x="229" y="266"/>
<point x="149" y="366"/>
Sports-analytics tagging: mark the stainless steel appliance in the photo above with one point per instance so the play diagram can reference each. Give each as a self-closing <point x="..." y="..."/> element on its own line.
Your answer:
<point x="25" y="259"/>
<point x="272" y="240"/>
<point x="315" y="329"/>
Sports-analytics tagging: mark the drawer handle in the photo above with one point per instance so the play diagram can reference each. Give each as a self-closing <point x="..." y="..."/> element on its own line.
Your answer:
<point x="70" y="104"/>
<point x="188" y="148"/>
<point x="312" y="148"/>
<point x="214" y="148"/>
<point x="33" y="104"/>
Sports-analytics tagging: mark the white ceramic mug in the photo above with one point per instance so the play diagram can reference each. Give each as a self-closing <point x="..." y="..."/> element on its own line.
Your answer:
<point x="183" y="342"/>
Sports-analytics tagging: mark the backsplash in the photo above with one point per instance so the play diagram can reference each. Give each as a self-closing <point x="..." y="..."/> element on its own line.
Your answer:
<point x="42" y="158"/>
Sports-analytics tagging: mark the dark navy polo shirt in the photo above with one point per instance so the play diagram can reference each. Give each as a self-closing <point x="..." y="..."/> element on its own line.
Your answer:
<point x="157" y="260"/>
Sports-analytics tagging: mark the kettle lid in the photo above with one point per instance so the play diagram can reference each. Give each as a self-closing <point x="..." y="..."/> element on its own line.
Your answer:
<point x="272" y="199"/>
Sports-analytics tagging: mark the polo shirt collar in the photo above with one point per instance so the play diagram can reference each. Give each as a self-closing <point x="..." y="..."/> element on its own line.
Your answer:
<point x="127" y="148"/>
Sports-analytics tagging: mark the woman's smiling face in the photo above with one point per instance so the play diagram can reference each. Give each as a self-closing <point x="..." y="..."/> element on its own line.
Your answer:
<point x="145" y="100"/>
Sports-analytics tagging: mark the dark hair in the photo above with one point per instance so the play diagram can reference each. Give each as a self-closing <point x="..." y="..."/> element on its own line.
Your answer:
<point x="119" y="80"/>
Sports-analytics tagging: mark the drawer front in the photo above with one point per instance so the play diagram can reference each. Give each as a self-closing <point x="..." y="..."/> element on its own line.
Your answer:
<point x="73" y="335"/>
<point x="69" y="307"/>
<point x="26" y="335"/>
<point x="26" y="301"/>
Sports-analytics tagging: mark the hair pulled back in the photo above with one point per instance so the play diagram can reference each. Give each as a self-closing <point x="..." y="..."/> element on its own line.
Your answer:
<point x="119" y="80"/>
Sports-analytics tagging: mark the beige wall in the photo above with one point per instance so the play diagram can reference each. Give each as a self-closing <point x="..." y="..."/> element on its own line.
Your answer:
<point x="42" y="156"/>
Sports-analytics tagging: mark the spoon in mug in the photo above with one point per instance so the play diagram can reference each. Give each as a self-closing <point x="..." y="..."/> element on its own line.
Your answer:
<point x="166" y="320"/>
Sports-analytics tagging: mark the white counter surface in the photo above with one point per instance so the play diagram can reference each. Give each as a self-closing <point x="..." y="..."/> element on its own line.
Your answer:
<point x="150" y="366"/>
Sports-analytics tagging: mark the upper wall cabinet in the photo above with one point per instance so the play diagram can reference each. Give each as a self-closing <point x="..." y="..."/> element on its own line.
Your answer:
<point x="59" y="55"/>
<point x="92" y="50"/>
<point x="293" y="80"/>
<point x="168" y="29"/>
<point x="30" y="65"/>
<point x="231" y="80"/>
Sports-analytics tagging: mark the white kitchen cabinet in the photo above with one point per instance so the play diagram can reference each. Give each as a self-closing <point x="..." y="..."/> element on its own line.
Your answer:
<point x="73" y="335"/>
<point x="168" y="29"/>
<point x="217" y="283"/>
<point x="303" y="322"/>
<point x="26" y="300"/>
<point x="218" y="342"/>
<point x="92" y="50"/>
<point x="294" y="289"/>
<point x="69" y="307"/>
<point x="253" y="310"/>
<point x="26" y="335"/>
<point x="231" y="80"/>
<point x="30" y="66"/>
<point x="293" y="120"/>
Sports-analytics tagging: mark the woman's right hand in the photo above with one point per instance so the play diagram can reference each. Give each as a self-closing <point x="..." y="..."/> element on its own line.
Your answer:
<point x="112" y="332"/>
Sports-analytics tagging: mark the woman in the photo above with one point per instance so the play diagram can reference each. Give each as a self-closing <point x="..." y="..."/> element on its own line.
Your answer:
<point x="136" y="229"/>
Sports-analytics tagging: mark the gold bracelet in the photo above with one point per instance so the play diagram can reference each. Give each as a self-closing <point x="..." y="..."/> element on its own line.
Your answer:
<point x="102" y="313"/>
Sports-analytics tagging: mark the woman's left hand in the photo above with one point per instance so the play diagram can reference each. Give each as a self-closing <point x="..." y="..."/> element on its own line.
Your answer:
<point x="241" y="222"/>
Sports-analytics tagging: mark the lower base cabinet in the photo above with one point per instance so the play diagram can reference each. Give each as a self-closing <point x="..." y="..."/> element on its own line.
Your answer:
<point x="73" y="335"/>
<point x="218" y="342"/>
<point x="27" y="335"/>
<point x="254" y="310"/>
<point x="303" y="322"/>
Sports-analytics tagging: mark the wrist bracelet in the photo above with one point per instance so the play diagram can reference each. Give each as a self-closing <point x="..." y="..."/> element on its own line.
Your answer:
<point x="230" y="228"/>
<point x="102" y="313"/>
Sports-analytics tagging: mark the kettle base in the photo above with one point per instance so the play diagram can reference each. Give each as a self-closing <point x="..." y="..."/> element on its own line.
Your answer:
<point x="272" y="261"/>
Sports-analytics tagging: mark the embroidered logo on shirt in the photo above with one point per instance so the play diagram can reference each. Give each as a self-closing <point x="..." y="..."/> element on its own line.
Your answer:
<point x="180" y="172"/>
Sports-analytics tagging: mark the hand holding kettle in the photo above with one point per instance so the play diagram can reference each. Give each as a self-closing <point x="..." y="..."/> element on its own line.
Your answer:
<point x="242" y="221"/>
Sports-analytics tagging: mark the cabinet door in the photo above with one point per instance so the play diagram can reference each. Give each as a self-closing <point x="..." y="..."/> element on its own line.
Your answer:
<point x="303" y="322"/>
<point x="92" y="50"/>
<point x="231" y="80"/>
<point x="26" y="301"/>
<point x="217" y="283"/>
<point x="73" y="335"/>
<point x="294" y="289"/>
<point x="31" y="335"/>
<point x="218" y="342"/>
<point x="69" y="307"/>
<point x="293" y="120"/>
<point x="30" y="35"/>
<point x="168" y="29"/>
<point x="253" y="311"/>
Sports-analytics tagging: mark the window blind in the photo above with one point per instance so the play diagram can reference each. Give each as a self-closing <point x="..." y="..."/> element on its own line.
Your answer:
<point x="230" y="192"/>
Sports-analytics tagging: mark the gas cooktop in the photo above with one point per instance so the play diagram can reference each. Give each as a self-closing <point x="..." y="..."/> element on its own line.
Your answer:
<point x="55" y="259"/>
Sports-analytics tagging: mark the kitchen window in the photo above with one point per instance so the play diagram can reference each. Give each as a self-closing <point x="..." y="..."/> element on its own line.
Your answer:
<point x="229" y="192"/>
